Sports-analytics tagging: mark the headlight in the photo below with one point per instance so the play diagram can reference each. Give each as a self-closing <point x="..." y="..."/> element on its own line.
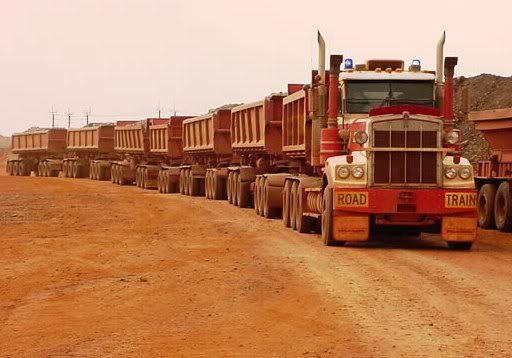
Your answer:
<point x="450" y="172"/>
<point x="464" y="173"/>
<point x="361" y="137"/>
<point x="357" y="172"/>
<point x="452" y="137"/>
<point x="343" y="172"/>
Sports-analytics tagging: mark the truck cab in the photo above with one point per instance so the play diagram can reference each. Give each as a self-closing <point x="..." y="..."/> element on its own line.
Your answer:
<point x="400" y="165"/>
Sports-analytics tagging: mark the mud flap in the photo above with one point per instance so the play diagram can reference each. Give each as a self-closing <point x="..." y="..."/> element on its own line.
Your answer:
<point x="459" y="228"/>
<point x="350" y="226"/>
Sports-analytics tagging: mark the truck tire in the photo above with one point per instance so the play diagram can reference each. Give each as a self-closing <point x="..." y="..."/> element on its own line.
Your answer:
<point x="327" y="214"/>
<point x="503" y="208"/>
<point x="293" y="205"/>
<point x="16" y="168"/>
<point x="234" y="188"/>
<point x="230" y="187"/>
<point x="303" y="223"/>
<point x="8" y="168"/>
<point x="182" y="182"/>
<point x="456" y="245"/>
<point x="113" y="173"/>
<point x="485" y="208"/>
<point x="46" y="169"/>
<point x="193" y="184"/>
<point x="138" y="179"/>
<point x="286" y="202"/>
<point x="217" y="187"/>
<point x="257" y="195"/>
<point x="24" y="169"/>
<point x="74" y="169"/>
<point x="160" y="183"/>
<point x="242" y="193"/>
<point x="120" y="176"/>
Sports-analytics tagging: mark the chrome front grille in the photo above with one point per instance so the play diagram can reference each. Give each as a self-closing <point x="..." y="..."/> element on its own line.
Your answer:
<point x="405" y="152"/>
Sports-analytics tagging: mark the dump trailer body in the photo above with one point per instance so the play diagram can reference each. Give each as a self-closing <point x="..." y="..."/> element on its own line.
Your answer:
<point x="166" y="138"/>
<point x="41" y="141"/>
<point x="208" y="135"/>
<point x="89" y="151"/>
<point x="494" y="176"/>
<point x="256" y="127"/>
<point x="132" y="138"/>
<point x="496" y="127"/>
<point x="40" y="151"/>
<point x="296" y="130"/>
<point x="207" y="147"/>
<point x="97" y="139"/>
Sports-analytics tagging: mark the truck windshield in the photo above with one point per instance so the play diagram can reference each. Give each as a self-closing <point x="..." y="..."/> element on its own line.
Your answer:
<point x="362" y="96"/>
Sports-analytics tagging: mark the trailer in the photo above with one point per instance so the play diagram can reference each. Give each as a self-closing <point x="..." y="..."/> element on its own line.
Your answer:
<point x="207" y="147"/>
<point x="131" y="143"/>
<point x="494" y="176"/>
<point x="256" y="139"/>
<point x="40" y="151"/>
<point x="162" y="170"/>
<point x="89" y="152"/>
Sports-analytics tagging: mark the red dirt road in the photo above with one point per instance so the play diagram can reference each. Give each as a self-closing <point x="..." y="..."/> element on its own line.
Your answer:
<point x="92" y="269"/>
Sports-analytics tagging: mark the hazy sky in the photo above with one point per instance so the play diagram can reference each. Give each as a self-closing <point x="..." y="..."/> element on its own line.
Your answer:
<point x="123" y="57"/>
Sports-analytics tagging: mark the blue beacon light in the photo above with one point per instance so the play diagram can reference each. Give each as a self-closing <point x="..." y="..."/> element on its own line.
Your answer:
<point x="348" y="64"/>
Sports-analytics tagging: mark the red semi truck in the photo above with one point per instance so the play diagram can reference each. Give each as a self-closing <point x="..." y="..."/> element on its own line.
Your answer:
<point x="372" y="147"/>
<point x="494" y="176"/>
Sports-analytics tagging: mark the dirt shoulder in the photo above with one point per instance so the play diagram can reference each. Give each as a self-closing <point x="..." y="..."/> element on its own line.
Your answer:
<point x="93" y="269"/>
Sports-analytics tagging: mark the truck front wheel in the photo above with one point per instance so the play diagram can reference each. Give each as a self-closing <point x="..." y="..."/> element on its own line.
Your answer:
<point x="503" y="208"/>
<point x="327" y="221"/>
<point x="485" y="208"/>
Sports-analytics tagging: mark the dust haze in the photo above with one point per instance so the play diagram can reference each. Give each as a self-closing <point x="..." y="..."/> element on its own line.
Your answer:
<point x="127" y="59"/>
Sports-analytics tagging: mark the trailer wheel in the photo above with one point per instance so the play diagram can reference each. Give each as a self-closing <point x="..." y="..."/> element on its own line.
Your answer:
<point x="8" y="168"/>
<point x="193" y="185"/>
<point x="74" y="170"/>
<point x="327" y="214"/>
<point x="293" y="205"/>
<point x="503" y="208"/>
<point x="242" y="194"/>
<point x="304" y="223"/>
<point x="218" y="187"/>
<point x="455" y="245"/>
<point x="21" y="169"/>
<point x="286" y="202"/>
<point x="485" y="209"/>
<point x="256" y="195"/>
<point x="120" y="176"/>
<point x="113" y="173"/>
<point x="95" y="171"/>
<point x="160" y="183"/>
<point x="228" y="187"/>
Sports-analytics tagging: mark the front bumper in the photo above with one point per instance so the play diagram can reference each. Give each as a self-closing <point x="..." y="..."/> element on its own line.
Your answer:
<point x="454" y="210"/>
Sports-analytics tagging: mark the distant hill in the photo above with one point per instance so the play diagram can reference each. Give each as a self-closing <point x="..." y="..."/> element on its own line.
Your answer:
<point x="5" y="142"/>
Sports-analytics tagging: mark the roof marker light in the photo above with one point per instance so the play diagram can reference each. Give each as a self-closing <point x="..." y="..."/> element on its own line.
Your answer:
<point x="416" y="62"/>
<point x="348" y="64"/>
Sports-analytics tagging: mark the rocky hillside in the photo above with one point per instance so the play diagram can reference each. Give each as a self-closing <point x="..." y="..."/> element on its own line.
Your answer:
<point x="485" y="92"/>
